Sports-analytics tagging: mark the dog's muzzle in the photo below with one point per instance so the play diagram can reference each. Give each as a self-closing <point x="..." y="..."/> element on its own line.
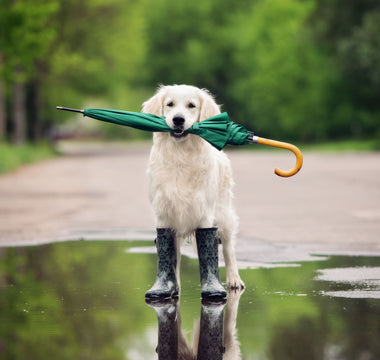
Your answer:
<point x="179" y="122"/>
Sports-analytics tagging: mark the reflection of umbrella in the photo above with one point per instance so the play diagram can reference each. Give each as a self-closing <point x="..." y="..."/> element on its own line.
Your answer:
<point x="218" y="130"/>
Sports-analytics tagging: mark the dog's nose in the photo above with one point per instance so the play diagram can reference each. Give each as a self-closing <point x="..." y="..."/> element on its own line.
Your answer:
<point x="178" y="121"/>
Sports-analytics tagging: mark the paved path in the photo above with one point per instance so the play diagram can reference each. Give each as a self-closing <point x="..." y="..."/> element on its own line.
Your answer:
<point x="100" y="192"/>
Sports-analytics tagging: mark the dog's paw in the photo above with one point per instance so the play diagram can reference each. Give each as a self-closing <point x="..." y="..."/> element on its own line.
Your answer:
<point x="234" y="295"/>
<point x="235" y="283"/>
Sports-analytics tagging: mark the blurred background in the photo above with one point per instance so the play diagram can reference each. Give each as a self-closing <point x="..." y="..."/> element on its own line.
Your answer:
<point x="306" y="71"/>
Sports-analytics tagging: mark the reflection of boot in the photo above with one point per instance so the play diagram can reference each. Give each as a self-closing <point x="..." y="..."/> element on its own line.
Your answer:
<point x="167" y="348"/>
<point x="210" y="344"/>
<point x="207" y="244"/>
<point x="166" y="285"/>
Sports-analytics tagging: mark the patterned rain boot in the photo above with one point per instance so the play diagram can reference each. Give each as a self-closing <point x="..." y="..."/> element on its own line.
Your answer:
<point x="166" y="285"/>
<point x="207" y="244"/>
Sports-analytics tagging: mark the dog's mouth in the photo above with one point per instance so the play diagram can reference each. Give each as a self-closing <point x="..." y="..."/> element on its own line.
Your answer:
<point x="179" y="134"/>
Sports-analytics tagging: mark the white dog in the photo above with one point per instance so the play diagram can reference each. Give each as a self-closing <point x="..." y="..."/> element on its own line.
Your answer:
<point x="190" y="182"/>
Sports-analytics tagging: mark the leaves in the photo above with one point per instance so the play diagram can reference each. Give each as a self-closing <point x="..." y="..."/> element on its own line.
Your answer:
<point x="299" y="70"/>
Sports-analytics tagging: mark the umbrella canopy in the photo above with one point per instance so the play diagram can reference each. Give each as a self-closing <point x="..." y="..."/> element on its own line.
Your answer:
<point x="217" y="130"/>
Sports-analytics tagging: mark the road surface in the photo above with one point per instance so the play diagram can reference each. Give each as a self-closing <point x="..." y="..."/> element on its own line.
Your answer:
<point x="99" y="191"/>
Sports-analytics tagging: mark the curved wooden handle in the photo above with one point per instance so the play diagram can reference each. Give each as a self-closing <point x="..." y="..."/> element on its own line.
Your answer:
<point x="283" y="145"/>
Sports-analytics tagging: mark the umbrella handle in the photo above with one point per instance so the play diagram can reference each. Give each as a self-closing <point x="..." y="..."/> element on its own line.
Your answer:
<point x="282" y="145"/>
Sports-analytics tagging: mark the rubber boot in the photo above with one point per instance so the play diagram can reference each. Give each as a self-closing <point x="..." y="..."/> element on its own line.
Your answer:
<point x="166" y="285"/>
<point x="207" y="244"/>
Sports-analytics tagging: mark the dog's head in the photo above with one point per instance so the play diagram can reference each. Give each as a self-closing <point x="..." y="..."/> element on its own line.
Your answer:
<point x="182" y="106"/>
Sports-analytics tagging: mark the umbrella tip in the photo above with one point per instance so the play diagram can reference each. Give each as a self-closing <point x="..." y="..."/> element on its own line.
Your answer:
<point x="69" y="109"/>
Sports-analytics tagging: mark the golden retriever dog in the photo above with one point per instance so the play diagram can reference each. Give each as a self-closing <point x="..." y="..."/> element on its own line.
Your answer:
<point x="190" y="181"/>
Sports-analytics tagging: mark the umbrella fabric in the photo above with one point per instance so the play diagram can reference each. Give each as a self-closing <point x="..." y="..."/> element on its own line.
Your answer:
<point x="220" y="131"/>
<point x="217" y="130"/>
<point x="142" y="121"/>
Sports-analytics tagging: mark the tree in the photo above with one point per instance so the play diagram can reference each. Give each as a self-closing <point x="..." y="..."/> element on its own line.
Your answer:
<point x="285" y="81"/>
<point x="348" y="31"/>
<point x="25" y="39"/>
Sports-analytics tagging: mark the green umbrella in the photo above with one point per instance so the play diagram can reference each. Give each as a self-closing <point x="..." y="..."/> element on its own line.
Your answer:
<point x="217" y="130"/>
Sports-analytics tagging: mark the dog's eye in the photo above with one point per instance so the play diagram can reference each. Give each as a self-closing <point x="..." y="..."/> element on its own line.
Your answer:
<point x="170" y="104"/>
<point x="191" y="106"/>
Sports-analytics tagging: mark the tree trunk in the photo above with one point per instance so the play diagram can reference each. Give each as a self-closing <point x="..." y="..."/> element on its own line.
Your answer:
<point x="35" y="109"/>
<point x="3" y="123"/>
<point x="18" y="112"/>
<point x="3" y="102"/>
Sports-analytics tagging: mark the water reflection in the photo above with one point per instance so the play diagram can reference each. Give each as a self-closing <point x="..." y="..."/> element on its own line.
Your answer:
<point x="167" y="318"/>
<point x="85" y="300"/>
<point x="214" y="336"/>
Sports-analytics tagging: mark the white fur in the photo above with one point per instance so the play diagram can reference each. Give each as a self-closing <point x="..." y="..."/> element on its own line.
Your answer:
<point x="190" y="182"/>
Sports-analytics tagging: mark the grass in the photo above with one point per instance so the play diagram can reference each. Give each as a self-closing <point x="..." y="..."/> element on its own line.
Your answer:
<point x="12" y="156"/>
<point x="340" y="146"/>
<point x="344" y="146"/>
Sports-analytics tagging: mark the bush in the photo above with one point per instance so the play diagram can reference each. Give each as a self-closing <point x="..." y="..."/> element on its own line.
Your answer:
<point x="11" y="156"/>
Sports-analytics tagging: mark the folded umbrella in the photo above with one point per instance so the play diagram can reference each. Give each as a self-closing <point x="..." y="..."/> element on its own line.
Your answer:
<point x="217" y="130"/>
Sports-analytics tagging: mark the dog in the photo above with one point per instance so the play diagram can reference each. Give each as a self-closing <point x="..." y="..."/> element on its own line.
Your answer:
<point x="190" y="181"/>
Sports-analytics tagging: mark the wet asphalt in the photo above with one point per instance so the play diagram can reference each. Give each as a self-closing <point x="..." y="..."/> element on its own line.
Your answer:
<point x="99" y="191"/>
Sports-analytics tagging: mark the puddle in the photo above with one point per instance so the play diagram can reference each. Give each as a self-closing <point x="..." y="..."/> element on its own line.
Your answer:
<point x="85" y="300"/>
<point x="364" y="281"/>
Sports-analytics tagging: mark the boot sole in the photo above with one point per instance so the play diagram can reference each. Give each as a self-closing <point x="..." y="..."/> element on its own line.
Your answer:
<point x="161" y="296"/>
<point x="214" y="295"/>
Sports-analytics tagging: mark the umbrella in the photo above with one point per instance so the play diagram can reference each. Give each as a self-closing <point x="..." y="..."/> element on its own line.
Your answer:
<point x="217" y="130"/>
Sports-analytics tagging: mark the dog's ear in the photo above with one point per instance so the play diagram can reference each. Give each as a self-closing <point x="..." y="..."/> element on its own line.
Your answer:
<point x="154" y="104"/>
<point x="209" y="107"/>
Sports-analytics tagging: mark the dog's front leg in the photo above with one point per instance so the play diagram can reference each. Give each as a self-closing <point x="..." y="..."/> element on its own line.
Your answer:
<point x="233" y="279"/>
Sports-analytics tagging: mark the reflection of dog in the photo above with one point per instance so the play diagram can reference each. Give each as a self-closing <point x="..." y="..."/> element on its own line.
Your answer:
<point x="231" y="344"/>
<point x="213" y="337"/>
<point x="190" y="181"/>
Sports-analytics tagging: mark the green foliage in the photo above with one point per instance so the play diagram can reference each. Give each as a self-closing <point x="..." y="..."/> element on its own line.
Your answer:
<point x="262" y="62"/>
<point x="26" y="34"/>
<point x="349" y="32"/>
<point x="359" y="56"/>
<point x="360" y="53"/>
<point x="303" y="70"/>
<point x="284" y="77"/>
<point x="344" y="146"/>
